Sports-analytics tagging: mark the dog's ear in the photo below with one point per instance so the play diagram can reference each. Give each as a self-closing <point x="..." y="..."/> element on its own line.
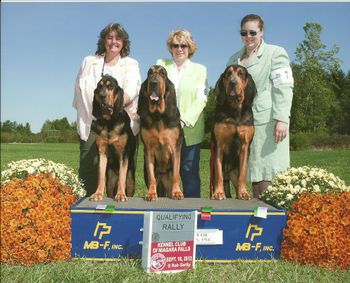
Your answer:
<point x="118" y="107"/>
<point x="220" y="91"/>
<point x="250" y="90"/>
<point x="170" y="102"/>
<point x="96" y="108"/>
<point x="142" y="106"/>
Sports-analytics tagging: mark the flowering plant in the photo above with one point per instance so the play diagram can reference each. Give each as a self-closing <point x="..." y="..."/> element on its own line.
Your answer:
<point x="318" y="230"/>
<point x="35" y="220"/>
<point x="22" y="168"/>
<point x="290" y="184"/>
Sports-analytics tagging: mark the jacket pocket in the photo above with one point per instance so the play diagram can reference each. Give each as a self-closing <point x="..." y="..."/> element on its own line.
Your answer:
<point x="263" y="101"/>
<point x="262" y="108"/>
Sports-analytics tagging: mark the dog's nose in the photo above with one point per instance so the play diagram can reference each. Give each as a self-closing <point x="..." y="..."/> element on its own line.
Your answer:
<point x="233" y="82"/>
<point x="154" y="81"/>
<point x="103" y="94"/>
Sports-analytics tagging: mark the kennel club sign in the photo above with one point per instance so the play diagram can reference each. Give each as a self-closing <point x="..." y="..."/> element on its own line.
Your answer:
<point x="169" y="241"/>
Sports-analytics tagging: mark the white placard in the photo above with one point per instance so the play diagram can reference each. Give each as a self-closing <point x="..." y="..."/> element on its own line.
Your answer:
<point x="260" y="212"/>
<point x="209" y="237"/>
<point x="101" y="206"/>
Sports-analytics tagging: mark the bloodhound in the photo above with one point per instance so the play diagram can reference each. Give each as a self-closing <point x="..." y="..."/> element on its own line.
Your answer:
<point x="161" y="134"/>
<point x="115" y="142"/>
<point x="232" y="133"/>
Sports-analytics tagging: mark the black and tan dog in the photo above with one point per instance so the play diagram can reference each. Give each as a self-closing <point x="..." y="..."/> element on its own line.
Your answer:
<point x="232" y="133"/>
<point x="161" y="134"/>
<point x="115" y="142"/>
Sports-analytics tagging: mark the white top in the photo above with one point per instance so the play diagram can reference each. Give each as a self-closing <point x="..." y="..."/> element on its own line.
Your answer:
<point x="126" y="72"/>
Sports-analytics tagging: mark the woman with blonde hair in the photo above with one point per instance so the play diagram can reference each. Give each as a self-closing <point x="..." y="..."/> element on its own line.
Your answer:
<point x="190" y="80"/>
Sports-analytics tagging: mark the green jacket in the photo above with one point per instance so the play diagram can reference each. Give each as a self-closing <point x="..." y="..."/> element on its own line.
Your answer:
<point x="273" y="77"/>
<point x="191" y="96"/>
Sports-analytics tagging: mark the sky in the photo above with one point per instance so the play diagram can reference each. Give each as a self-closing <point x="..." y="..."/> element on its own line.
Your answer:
<point x="43" y="44"/>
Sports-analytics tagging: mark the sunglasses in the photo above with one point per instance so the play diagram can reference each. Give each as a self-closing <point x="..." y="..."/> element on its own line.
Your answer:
<point x="183" y="46"/>
<point x="251" y="33"/>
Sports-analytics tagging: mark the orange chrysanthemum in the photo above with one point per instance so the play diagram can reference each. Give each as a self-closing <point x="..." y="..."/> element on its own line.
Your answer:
<point x="35" y="220"/>
<point x="318" y="230"/>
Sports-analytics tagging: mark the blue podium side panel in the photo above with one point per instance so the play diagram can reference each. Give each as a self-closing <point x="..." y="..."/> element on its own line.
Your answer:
<point x="102" y="236"/>
<point x="245" y="237"/>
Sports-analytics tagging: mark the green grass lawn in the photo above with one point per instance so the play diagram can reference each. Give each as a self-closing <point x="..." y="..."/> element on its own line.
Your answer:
<point x="337" y="162"/>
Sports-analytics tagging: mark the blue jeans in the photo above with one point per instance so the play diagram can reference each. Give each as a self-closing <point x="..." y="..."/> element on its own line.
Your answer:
<point x="189" y="170"/>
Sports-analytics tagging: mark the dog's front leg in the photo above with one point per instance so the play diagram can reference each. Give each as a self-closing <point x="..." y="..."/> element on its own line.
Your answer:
<point x="123" y="170"/>
<point x="176" y="192"/>
<point x="152" y="182"/>
<point x="102" y="165"/>
<point x="245" y="135"/>
<point x="219" y="193"/>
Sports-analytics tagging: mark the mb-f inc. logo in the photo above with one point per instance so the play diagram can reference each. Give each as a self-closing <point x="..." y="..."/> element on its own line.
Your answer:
<point x="100" y="231"/>
<point x="253" y="232"/>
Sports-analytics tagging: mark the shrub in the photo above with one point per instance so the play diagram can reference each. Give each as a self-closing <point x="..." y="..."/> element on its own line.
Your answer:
<point x="22" y="168"/>
<point x="288" y="186"/>
<point x="35" y="220"/>
<point x="304" y="141"/>
<point x="300" y="141"/>
<point x="318" y="231"/>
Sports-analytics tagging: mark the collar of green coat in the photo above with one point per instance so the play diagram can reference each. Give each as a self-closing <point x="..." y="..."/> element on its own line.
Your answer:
<point x="169" y="65"/>
<point x="255" y="59"/>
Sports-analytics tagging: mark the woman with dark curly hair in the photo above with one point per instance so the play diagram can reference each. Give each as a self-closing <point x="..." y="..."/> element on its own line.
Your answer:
<point x="111" y="57"/>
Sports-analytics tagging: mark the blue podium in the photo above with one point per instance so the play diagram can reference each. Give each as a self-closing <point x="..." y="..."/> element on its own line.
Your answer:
<point x="228" y="230"/>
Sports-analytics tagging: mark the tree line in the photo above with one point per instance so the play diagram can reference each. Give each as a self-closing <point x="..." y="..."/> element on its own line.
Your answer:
<point x="55" y="131"/>
<point x="320" y="114"/>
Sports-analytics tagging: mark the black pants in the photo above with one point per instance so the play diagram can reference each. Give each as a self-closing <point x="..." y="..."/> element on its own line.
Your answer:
<point x="189" y="170"/>
<point x="88" y="166"/>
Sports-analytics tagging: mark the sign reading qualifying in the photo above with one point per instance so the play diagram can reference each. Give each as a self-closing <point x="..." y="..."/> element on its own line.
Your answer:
<point x="169" y="241"/>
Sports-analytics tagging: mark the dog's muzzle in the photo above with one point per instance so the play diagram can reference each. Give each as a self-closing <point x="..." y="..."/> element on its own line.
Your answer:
<point x="106" y="110"/>
<point x="154" y="90"/>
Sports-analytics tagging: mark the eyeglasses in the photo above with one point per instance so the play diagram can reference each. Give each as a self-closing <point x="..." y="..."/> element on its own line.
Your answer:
<point x="183" y="46"/>
<point x="251" y="33"/>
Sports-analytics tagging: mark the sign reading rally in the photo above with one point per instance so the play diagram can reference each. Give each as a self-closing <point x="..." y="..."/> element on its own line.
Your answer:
<point x="169" y="241"/>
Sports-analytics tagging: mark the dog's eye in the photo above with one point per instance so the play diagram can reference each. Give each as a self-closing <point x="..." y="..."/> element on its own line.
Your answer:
<point x="228" y="74"/>
<point x="162" y="73"/>
<point x="240" y="73"/>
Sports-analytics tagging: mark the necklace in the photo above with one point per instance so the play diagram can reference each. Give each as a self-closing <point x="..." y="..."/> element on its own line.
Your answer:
<point x="103" y="66"/>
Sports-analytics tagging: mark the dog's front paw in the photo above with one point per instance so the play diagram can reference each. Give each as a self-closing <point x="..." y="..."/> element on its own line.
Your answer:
<point x="96" y="197"/>
<point x="177" y="195"/>
<point x="243" y="196"/>
<point x="218" y="196"/>
<point x="151" y="196"/>
<point x="120" y="197"/>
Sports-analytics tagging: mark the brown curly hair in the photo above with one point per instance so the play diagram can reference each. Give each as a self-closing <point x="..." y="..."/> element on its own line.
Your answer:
<point x="122" y="34"/>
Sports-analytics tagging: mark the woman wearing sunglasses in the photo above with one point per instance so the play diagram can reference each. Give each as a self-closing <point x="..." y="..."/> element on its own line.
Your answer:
<point x="190" y="80"/>
<point x="270" y="69"/>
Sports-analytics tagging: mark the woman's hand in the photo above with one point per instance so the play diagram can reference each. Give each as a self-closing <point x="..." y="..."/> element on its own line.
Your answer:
<point x="281" y="131"/>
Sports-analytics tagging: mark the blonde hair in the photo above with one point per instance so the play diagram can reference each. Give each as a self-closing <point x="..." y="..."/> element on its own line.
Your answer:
<point x="182" y="36"/>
